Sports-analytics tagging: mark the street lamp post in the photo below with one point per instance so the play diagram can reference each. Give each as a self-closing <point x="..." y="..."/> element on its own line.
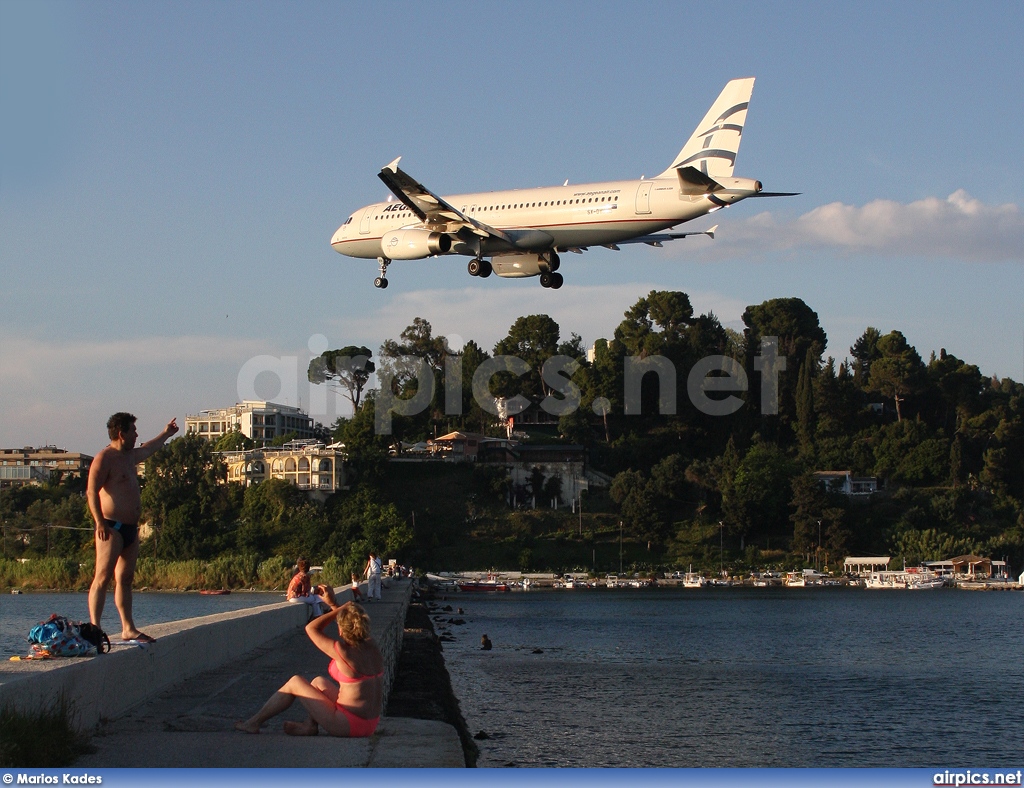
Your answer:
<point x="620" y="547"/>
<point x="721" y="549"/>
<point x="817" y="555"/>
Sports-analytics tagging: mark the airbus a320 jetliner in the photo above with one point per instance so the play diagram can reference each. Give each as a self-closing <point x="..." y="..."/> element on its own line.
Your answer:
<point x="522" y="231"/>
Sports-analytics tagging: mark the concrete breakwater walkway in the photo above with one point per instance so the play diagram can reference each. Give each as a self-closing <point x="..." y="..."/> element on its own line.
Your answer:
<point x="174" y="702"/>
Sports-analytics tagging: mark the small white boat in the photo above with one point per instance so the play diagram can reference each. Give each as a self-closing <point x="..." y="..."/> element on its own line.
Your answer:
<point x="925" y="584"/>
<point x="907" y="579"/>
<point x="693" y="579"/>
<point x="795" y="580"/>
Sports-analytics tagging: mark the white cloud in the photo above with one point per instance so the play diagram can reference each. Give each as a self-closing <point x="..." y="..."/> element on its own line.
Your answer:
<point x="63" y="391"/>
<point x="958" y="227"/>
<point x="28" y="357"/>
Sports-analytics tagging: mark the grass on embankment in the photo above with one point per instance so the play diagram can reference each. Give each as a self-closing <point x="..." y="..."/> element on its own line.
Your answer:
<point x="44" y="739"/>
<point x="228" y="571"/>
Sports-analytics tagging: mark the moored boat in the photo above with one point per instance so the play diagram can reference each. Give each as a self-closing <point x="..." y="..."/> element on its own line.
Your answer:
<point x="908" y="579"/>
<point x="478" y="586"/>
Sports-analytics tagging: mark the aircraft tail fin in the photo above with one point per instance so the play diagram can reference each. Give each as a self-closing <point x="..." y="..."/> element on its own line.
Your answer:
<point x="712" y="148"/>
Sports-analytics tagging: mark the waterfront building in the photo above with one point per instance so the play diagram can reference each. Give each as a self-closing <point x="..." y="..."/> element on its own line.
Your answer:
<point x="257" y="420"/>
<point x="30" y="465"/>
<point x="864" y="565"/>
<point x="969" y="567"/>
<point x="311" y="466"/>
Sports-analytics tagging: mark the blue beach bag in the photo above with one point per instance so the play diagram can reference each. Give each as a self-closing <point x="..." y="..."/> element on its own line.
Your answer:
<point x="59" y="637"/>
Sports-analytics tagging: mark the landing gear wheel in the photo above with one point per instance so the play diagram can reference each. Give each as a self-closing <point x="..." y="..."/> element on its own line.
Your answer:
<point x="485" y="269"/>
<point x="556" y="281"/>
<point x="553" y="261"/>
<point x="546" y="279"/>
<point x="475" y="267"/>
<point x="380" y="282"/>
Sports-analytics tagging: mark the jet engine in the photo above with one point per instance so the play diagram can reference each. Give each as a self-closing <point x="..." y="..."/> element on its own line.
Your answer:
<point x="414" y="244"/>
<point x="517" y="266"/>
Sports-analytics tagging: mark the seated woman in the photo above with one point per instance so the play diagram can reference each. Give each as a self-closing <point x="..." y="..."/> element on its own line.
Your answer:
<point x="353" y="707"/>
<point x="300" y="589"/>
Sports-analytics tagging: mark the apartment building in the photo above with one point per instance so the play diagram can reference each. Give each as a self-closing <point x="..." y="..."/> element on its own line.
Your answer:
<point x="30" y="465"/>
<point x="259" y="421"/>
<point x="309" y="465"/>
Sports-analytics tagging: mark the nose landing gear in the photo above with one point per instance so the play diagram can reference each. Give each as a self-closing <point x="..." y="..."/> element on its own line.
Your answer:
<point x="381" y="281"/>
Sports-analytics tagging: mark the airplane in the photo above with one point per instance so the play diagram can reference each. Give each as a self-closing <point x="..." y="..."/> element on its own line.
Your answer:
<point x="523" y="231"/>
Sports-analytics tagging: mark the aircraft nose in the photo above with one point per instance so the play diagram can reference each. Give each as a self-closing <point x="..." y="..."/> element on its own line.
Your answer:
<point x="338" y="236"/>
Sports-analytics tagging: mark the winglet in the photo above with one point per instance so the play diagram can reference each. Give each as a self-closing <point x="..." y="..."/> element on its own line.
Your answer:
<point x="393" y="166"/>
<point x="710" y="233"/>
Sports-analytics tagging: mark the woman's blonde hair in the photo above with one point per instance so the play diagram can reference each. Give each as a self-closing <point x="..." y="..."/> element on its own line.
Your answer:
<point x="353" y="624"/>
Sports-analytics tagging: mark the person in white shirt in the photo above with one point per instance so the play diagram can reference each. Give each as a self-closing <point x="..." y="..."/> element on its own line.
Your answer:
<point x="373" y="569"/>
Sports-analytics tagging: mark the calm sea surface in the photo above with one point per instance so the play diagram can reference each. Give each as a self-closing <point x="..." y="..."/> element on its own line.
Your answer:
<point x="731" y="677"/>
<point x="20" y="612"/>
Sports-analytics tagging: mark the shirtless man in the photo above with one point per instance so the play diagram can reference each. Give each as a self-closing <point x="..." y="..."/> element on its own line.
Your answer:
<point x="116" y="505"/>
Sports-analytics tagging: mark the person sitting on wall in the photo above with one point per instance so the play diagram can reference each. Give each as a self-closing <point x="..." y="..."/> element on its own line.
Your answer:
<point x="300" y="589"/>
<point x="351" y="708"/>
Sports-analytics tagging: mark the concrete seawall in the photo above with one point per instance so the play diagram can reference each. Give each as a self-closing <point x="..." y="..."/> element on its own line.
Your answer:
<point x="107" y="686"/>
<point x="176" y="700"/>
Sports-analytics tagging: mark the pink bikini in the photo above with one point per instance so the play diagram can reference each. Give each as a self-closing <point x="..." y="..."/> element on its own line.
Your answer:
<point x="358" y="727"/>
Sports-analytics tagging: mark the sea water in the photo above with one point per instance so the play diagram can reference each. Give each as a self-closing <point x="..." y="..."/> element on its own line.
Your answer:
<point x="740" y="677"/>
<point x="20" y="612"/>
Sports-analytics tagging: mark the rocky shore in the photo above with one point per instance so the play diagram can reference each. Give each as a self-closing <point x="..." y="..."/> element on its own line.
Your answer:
<point x="422" y="688"/>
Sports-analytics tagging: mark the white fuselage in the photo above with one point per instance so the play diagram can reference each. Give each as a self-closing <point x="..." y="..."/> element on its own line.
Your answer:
<point x="566" y="217"/>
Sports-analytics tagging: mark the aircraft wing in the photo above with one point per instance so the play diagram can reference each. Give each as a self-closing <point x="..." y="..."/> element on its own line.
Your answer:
<point x="432" y="210"/>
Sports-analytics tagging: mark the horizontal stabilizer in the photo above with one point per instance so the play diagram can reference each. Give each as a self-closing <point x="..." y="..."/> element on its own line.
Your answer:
<point x="693" y="182"/>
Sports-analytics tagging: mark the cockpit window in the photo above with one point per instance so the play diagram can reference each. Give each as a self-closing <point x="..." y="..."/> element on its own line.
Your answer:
<point x="348" y="221"/>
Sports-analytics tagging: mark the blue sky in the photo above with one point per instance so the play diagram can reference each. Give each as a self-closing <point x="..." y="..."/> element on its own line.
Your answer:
<point x="171" y="175"/>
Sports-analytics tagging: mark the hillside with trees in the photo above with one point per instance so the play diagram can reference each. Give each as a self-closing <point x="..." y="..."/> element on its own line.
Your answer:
<point x="700" y="473"/>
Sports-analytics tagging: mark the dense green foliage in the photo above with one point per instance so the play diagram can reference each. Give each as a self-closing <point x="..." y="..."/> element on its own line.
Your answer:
<point x="945" y="442"/>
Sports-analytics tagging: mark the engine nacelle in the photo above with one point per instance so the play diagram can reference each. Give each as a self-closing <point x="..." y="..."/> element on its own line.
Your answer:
<point x="517" y="266"/>
<point x="414" y="244"/>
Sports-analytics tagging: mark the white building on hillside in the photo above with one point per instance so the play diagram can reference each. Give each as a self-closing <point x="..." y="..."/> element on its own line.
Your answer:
<point x="257" y="420"/>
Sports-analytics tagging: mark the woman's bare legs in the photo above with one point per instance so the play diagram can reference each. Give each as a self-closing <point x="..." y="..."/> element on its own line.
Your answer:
<point x="310" y="727"/>
<point x="319" y="705"/>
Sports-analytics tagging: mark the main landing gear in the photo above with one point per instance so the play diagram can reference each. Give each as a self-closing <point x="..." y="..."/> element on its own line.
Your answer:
<point x="549" y="278"/>
<point x="381" y="281"/>
<point x="478" y="267"/>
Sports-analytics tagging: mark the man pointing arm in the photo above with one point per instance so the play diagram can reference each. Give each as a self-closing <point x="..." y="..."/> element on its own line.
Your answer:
<point x="116" y="505"/>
